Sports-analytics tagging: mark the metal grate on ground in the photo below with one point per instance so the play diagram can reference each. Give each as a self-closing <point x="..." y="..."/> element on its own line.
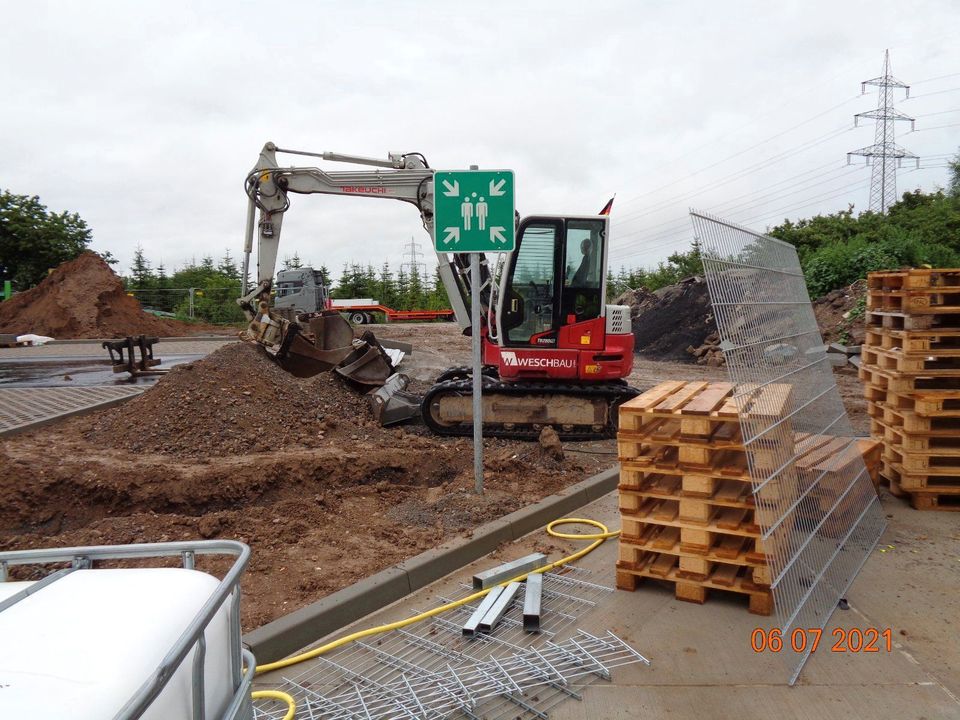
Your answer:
<point x="430" y="670"/>
<point x="818" y="528"/>
<point x="22" y="408"/>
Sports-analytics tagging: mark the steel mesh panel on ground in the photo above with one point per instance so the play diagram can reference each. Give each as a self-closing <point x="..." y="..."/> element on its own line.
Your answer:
<point x="429" y="670"/>
<point x="819" y="521"/>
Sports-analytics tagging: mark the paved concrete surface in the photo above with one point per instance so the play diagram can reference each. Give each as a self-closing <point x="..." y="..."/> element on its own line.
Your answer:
<point x="90" y="348"/>
<point x="703" y="667"/>
<point x="91" y="388"/>
<point x="23" y="408"/>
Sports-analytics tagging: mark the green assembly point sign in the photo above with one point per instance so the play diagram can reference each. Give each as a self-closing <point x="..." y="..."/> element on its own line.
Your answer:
<point x="473" y="211"/>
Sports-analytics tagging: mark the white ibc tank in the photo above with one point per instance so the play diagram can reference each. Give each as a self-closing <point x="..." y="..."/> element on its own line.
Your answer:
<point x="82" y="646"/>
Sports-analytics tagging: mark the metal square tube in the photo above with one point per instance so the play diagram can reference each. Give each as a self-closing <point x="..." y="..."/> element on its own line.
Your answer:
<point x="472" y="624"/>
<point x="508" y="571"/>
<point x="533" y="594"/>
<point x="497" y="610"/>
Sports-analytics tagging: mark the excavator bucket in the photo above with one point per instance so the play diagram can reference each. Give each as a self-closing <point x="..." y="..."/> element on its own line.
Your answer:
<point x="331" y="332"/>
<point x="392" y="404"/>
<point x="368" y="364"/>
<point x="301" y="358"/>
<point x="333" y="341"/>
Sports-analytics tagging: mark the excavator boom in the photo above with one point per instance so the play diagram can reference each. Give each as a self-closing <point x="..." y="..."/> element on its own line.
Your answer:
<point x="555" y="353"/>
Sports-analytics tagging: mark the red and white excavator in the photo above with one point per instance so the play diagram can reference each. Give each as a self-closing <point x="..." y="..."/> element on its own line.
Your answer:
<point x="554" y="353"/>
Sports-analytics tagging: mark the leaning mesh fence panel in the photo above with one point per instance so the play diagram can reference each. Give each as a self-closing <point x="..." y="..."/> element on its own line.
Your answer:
<point x="818" y="512"/>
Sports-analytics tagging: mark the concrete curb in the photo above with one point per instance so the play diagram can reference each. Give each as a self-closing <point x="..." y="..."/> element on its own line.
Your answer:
<point x="292" y="632"/>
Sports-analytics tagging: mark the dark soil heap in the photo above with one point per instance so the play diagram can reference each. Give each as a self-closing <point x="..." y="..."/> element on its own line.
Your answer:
<point x="235" y="401"/>
<point x="840" y="314"/>
<point x="83" y="298"/>
<point x="672" y="319"/>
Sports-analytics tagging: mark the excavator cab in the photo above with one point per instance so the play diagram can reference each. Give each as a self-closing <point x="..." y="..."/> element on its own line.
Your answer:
<point x="552" y="286"/>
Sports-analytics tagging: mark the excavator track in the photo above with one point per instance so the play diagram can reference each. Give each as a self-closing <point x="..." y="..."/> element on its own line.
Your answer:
<point x="446" y="408"/>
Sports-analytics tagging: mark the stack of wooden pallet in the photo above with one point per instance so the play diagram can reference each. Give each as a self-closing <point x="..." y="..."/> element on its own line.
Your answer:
<point x="689" y="515"/>
<point x="911" y="372"/>
<point x="685" y="494"/>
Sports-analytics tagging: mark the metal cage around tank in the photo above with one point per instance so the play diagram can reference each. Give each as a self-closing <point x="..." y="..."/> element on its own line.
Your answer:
<point x="227" y="592"/>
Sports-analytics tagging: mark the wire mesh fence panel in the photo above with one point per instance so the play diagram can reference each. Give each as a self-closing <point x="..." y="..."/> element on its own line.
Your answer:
<point x="431" y="670"/>
<point x="209" y="304"/>
<point x="816" y="506"/>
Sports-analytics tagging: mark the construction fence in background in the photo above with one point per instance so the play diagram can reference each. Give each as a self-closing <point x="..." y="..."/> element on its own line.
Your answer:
<point x="819" y="525"/>
<point x="209" y="304"/>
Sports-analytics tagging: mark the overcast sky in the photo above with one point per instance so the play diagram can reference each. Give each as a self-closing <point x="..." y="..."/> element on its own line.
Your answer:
<point x="146" y="117"/>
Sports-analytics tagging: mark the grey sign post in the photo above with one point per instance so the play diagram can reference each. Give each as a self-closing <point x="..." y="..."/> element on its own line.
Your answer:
<point x="473" y="213"/>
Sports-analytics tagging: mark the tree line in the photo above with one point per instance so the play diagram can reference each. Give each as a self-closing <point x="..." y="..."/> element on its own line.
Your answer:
<point x="834" y="249"/>
<point x="217" y="283"/>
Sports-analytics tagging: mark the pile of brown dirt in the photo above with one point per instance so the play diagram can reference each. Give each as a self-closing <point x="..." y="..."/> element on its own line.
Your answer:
<point x="840" y="314"/>
<point x="234" y="447"/>
<point x="672" y="319"/>
<point x="84" y="298"/>
<point x="235" y="401"/>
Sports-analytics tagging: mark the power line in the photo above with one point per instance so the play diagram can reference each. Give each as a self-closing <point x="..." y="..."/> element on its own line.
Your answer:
<point x="935" y="127"/>
<point x="753" y="194"/>
<point x="739" y="153"/>
<point x="938" y="77"/>
<point x="936" y="92"/>
<point x="743" y="216"/>
<point x="750" y="169"/>
<point x="941" y="112"/>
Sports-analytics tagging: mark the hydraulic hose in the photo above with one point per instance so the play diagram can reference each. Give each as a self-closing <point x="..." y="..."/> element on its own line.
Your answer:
<point x="598" y="539"/>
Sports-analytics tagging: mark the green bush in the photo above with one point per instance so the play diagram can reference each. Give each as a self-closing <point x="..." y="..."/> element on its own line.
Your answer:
<point x="839" y="264"/>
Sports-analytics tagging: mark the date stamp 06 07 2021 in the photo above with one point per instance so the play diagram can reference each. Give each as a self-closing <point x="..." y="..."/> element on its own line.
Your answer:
<point x="842" y="640"/>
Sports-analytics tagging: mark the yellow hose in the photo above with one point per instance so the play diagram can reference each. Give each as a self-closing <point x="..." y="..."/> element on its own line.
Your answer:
<point x="277" y="695"/>
<point x="598" y="539"/>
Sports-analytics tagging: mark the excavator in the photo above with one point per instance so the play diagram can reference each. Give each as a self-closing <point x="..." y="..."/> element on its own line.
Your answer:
<point x="553" y="352"/>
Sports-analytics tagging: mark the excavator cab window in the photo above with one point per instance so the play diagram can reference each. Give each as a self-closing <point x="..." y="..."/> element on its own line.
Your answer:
<point x="531" y="289"/>
<point x="556" y="279"/>
<point x="583" y="270"/>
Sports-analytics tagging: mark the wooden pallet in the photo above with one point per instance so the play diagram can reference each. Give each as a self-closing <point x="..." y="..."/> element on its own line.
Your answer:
<point x="933" y="478"/>
<point x="694" y="566"/>
<point x="905" y="321"/>
<point x="737" y="549"/>
<point x="840" y="456"/>
<point x="689" y="509"/>
<point x="927" y="403"/>
<point x="913" y="279"/>
<point x="689" y="488"/>
<point x="695" y="537"/>
<point x="944" y="363"/>
<point x="700" y="406"/>
<point x="911" y="422"/>
<point x="725" y="464"/>
<point x="729" y="578"/>
<point x="908" y="341"/>
<point x="919" y="301"/>
<point x="911" y="441"/>
<point x="907" y="382"/>
<point x="659" y="433"/>
<point x="926" y="499"/>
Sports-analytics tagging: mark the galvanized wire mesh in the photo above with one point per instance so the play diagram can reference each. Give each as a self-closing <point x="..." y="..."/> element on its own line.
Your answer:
<point x="819" y="519"/>
<point x="430" y="670"/>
